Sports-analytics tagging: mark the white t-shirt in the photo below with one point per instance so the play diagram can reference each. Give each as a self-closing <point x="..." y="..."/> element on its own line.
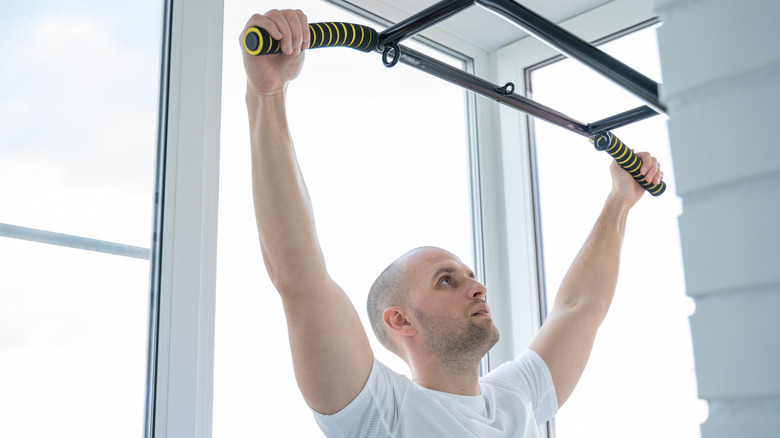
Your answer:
<point x="516" y="398"/>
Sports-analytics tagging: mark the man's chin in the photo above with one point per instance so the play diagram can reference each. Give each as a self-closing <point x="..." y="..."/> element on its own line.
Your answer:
<point x="495" y="338"/>
<point x="490" y="337"/>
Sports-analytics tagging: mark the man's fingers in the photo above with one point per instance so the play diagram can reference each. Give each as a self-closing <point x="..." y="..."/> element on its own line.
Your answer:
<point x="290" y="27"/>
<point x="279" y="19"/>
<point x="657" y="174"/>
<point x="293" y="45"/>
<point x="651" y="169"/>
<point x="302" y="43"/>
<point x="263" y="22"/>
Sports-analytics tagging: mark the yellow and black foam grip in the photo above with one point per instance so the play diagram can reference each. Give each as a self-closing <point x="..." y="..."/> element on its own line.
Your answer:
<point x="627" y="159"/>
<point x="331" y="34"/>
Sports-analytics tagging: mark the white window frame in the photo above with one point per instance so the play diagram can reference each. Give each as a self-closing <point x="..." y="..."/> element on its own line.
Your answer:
<point x="511" y="64"/>
<point x="182" y="339"/>
<point x="184" y="252"/>
<point x="505" y="250"/>
<point x="523" y="258"/>
<point x="184" y="255"/>
<point x="485" y="160"/>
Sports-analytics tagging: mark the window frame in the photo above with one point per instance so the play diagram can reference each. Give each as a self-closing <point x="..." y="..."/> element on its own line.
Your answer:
<point x="181" y="329"/>
<point x="181" y="338"/>
<point x="490" y="202"/>
<point x="486" y="208"/>
<point x="514" y="62"/>
<point x="181" y="334"/>
<point x="544" y="310"/>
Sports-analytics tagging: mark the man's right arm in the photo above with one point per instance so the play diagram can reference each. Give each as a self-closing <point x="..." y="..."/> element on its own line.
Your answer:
<point x="331" y="354"/>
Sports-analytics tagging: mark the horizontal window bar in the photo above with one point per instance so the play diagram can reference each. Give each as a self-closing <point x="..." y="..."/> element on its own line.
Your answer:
<point x="51" y="238"/>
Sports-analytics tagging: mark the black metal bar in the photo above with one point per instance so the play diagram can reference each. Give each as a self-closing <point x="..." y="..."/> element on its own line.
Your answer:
<point x="622" y="119"/>
<point x="574" y="47"/>
<point x="422" y="20"/>
<point x="480" y="86"/>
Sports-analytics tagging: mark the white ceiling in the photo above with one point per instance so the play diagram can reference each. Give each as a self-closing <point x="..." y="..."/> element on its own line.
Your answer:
<point x="483" y="28"/>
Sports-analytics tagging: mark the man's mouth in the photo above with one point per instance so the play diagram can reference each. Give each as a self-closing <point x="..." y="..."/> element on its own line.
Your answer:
<point x="481" y="310"/>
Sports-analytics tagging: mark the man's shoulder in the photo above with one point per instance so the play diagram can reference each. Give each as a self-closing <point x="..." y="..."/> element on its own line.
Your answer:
<point x="527" y="377"/>
<point x="527" y="365"/>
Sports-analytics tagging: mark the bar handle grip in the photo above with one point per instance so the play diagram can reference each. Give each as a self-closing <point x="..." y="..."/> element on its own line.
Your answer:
<point x="257" y="41"/>
<point x="627" y="159"/>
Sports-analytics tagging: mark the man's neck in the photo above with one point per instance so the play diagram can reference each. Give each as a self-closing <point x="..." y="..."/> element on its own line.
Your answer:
<point x="441" y="378"/>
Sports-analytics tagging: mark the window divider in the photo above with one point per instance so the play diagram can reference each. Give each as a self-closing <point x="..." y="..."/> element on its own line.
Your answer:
<point x="181" y="353"/>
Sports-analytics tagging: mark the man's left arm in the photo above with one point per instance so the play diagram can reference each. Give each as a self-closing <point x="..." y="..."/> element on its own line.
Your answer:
<point x="566" y="337"/>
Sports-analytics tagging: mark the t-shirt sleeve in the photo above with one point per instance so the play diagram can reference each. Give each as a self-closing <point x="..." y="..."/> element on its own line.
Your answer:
<point x="372" y="413"/>
<point x="529" y="374"/>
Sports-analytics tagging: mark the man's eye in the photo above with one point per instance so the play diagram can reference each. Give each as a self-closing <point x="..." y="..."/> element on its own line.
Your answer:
<point x="445" y="281"/>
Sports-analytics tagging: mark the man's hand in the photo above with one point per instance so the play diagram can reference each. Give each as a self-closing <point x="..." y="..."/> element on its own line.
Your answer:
<point x="623" y="184"/>
<point x="271" y="73"/>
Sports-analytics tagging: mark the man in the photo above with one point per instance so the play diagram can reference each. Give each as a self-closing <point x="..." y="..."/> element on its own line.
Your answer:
<point x="426" y="307"/>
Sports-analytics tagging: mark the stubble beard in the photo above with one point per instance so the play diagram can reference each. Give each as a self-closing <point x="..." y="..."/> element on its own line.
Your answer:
<point x="458" y="346"/>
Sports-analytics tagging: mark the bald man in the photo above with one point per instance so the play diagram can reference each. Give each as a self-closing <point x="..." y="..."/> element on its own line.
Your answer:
<point x="427" y="307"/>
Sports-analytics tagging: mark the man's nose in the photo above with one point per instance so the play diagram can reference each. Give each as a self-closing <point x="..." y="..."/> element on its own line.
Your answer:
<point x="477" y="291"/>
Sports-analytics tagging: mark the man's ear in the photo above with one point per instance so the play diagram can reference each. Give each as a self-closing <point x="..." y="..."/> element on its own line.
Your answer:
<point x="396" y="320"/>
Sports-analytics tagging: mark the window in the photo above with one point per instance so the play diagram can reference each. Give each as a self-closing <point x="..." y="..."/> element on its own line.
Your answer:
<point x="79" y="106"/>
<point x="386" y="157"/>
<point x="640" y="379"/>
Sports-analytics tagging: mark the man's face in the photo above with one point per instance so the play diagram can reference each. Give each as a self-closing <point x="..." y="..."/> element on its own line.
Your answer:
<point x="448" y="305"/>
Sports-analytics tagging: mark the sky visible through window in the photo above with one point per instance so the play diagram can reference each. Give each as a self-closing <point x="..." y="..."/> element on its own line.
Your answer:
<point x="640" y="379"/>
<point x="78" y="116"/>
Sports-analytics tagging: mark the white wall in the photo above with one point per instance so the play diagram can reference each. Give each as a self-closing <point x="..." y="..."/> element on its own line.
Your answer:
<point x="721" y="67"/>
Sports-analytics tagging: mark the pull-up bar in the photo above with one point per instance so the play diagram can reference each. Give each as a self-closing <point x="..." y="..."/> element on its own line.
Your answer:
<point x="258" y="42"/>
<point x="538" y="26"/>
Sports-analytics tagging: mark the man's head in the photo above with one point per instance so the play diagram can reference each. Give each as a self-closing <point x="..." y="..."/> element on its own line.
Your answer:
<point x="389" y="290"/>
<point x="429" y="299"/>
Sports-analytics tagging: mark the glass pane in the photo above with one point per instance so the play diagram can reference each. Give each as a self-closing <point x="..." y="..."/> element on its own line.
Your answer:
<point x="641" y="368"/>
<point x="73" y="330"/>
<point x="78" y="102"/>
<point x="385" y="156"/>
<point x="78" y="110"/>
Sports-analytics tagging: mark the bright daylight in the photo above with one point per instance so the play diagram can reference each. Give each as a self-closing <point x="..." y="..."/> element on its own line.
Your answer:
<point x="230" y="219"/>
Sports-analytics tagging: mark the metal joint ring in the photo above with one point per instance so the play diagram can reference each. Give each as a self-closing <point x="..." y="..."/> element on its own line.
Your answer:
<point x="396" y="55"/>
<point x="506" y="90"/>
<point x="602" y="140"/>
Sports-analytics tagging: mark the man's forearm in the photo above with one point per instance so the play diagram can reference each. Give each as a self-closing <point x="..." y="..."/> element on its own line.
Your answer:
<point x="283" y="209"/>
<point x="567" y="335"/>
<point x="591" y="280"/>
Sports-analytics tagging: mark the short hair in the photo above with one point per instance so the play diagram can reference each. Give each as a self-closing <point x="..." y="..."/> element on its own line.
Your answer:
<point x="388" y="290"/>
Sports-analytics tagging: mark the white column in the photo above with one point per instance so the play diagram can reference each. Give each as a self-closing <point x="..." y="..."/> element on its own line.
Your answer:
<point x="721" y="68"/>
